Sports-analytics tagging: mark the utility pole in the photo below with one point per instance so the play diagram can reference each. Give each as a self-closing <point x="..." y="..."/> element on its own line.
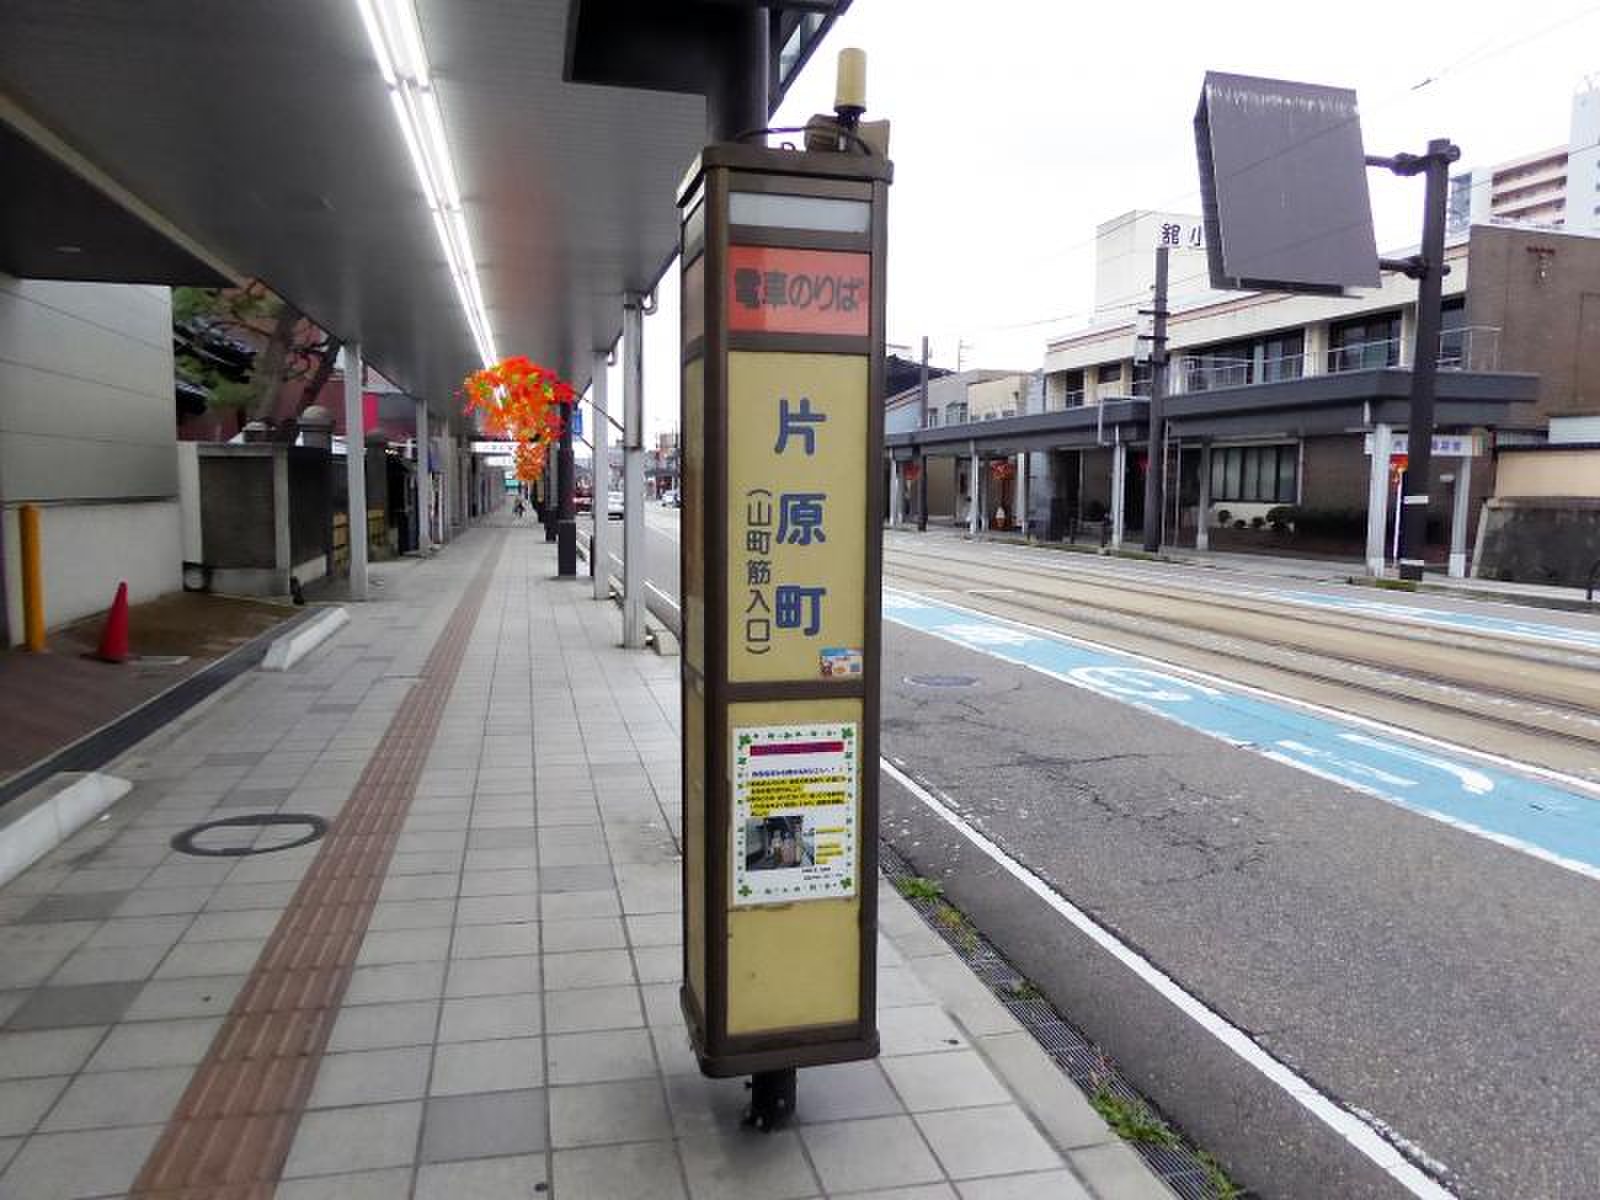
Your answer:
<point x="1155" y="439"/>
<point x="922" y="424"/>
<point x="1428" y="269"/>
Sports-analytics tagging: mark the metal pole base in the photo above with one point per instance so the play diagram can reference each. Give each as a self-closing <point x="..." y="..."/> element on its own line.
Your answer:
<point x="566" y="548"/>
<point x="771" y="1099"/>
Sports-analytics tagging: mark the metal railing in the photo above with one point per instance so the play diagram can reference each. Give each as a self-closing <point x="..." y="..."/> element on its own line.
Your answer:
<point x="657" y="602"/>
<point x="1072" y="399"/>
<point x="1470" y="348"/>
<point x="1366" y="356"/>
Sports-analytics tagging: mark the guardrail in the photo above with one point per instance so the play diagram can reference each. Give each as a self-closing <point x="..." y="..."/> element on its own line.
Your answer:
<point x="658" y="603"/>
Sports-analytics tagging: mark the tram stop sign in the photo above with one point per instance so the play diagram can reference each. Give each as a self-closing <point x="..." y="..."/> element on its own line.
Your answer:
<point x="1283" y="186"/>
<point x="783" y="323"/>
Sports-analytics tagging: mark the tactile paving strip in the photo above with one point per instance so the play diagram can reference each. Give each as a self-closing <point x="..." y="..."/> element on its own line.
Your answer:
<point x="231" y="1132"/>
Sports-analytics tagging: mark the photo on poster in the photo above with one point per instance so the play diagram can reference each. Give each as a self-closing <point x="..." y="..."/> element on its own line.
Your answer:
<point x="778" y="843"/>
<point x="794" y="818"/>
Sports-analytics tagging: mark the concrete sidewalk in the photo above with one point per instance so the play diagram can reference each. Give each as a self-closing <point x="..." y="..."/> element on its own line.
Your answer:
<point x="468" y="988"/>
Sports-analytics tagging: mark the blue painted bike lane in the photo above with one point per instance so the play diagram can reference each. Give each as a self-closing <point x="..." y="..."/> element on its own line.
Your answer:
<point x="1535" y="815"/>
<point x="1445" y="618"/>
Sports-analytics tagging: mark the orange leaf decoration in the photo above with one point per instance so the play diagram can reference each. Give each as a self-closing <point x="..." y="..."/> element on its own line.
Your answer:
<point x="524" y="403"/>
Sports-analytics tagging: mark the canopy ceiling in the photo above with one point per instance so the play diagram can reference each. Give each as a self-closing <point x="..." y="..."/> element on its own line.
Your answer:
<point x="257" y="140"/>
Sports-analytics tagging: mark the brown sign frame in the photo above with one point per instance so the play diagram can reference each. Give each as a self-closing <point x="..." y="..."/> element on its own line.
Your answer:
<point x="720" y="170"/>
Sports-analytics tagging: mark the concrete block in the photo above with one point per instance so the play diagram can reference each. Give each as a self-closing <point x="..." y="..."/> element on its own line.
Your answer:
<point x="290" y="648"/>
<point x="39" y="821"/>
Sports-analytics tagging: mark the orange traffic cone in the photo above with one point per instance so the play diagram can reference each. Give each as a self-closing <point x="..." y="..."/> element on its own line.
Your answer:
<point x="114" y="641"/>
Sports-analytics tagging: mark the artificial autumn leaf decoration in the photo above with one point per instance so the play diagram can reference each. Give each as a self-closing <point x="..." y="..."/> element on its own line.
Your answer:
<point x="1003" y="469"/>
<point x="524" y="403"/>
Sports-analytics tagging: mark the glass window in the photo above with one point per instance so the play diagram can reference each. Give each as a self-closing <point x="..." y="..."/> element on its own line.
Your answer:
<point x="1364" y="343"/>
<point x="1264" y="474"/>
<point x="1108" y="373"/>
<point x="1283" y="356"/>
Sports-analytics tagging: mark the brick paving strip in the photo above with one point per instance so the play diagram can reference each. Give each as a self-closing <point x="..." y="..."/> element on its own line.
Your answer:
<point x="230" y="1134"/>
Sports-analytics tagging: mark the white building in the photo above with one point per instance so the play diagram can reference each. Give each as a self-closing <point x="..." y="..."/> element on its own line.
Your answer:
<point x="1558" y="187"/>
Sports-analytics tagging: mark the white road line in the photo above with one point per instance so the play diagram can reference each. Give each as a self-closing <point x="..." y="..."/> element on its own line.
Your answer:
<point x="1360" y="1134"/>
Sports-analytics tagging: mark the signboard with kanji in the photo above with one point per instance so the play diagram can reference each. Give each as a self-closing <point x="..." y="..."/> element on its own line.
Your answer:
<point x="780" y="568"/>
<point x="796" y="489"/>
<point x="778" y="289"/>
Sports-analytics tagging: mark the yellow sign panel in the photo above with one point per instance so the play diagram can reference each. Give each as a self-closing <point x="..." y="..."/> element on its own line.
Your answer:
<point x="797" y="495"/>
<point x="797" y="964"/>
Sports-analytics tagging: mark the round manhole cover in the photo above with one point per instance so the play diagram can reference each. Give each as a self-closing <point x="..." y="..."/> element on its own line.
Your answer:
<point x="234" y="837"/>
<point x="943" y="681"/>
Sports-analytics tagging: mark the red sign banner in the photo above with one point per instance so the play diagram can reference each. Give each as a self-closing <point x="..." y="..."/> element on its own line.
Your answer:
<point x="778" y="289"/>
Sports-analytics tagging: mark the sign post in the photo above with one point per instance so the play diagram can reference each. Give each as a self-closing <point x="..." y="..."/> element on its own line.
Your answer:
<point x="782" y="488"/>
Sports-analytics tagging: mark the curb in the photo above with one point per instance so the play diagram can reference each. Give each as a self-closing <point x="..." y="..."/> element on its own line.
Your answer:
<point x="47" y="816"/>
<point x="289" y="648"/>
<point x="1106" y="1165"/>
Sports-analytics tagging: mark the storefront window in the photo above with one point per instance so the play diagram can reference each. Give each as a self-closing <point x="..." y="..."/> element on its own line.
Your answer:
<point x="1264" y="474"/>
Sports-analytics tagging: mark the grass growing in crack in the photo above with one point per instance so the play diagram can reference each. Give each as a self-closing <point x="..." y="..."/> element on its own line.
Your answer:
<point x="918" y="887"/>
<point x="1130" y="1120"/>
<point x="1022" y="989"/>
<point x="1218" y="1185"/>
<point x="955" y="921"/>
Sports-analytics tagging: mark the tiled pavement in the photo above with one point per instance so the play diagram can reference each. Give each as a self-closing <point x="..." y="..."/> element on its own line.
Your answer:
<point x="510" y="1027"/>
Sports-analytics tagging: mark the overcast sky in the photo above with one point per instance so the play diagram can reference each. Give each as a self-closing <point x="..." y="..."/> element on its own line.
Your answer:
<point x="1019" y="125"/>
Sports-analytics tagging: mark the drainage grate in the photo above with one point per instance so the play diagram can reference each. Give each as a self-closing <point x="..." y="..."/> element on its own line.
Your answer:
<point x="942" y="681"/>
<point x="1089" y="1068"/>
<point x="187" y="842"/>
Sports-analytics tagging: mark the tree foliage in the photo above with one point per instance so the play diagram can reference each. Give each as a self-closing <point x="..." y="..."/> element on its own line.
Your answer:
<point x="241" y="345"/>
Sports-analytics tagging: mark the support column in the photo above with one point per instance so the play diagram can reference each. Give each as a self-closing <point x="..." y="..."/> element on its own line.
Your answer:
<point x="1119" y="491"/>
<point x="599" y="507"/>
<point x="633" y="565"/>
<point x="894" y="493"/>
<point x="736" y="102"/>
<point x="282" y="549"/>
<point x="922" y="459"/>
<point x="567" y="503"/>
<point x="445" y="471"/>
<point x="973" y="483"/>
<point x="1458" y="519"/>
<point x="1378" y="498"/>
<point x="355" y="467"/>
<point x="424" y="483"/>
<point x="1202" y="524"/>
<point x="1020" y="500"/>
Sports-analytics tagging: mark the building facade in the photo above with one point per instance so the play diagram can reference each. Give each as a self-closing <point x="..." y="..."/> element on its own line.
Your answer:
<point x="1558" y="188"/>
<point x="88" y="436"/>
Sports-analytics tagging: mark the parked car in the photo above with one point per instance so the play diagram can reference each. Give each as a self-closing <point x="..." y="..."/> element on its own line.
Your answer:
<point x="672" y="498"/>
<point x="614" y="505"/>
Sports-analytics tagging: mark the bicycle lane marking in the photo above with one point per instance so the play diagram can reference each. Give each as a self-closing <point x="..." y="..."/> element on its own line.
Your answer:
<point x="1444" y="618"/>
<point x="1541" y="813"/>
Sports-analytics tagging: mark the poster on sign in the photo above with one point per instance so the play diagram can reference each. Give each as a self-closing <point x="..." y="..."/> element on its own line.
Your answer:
<point x="794" y="812"/>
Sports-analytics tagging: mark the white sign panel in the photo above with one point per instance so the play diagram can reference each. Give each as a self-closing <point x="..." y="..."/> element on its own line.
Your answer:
<point x="1182" y="234"/>
<point x="794" y="812"/>
<point x="1445" y="445"/>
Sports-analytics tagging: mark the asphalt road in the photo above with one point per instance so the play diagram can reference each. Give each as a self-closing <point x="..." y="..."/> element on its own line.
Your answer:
<point x="1416" y="972"/>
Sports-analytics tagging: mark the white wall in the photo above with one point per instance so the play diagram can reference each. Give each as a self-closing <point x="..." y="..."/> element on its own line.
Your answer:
<point x="88" y="432"/>
<point x="1583" y="164"/>
<point x="89" y="549"/>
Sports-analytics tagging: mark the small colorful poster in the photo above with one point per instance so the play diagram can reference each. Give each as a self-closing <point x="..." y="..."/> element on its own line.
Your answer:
<point x="794" y="812"/>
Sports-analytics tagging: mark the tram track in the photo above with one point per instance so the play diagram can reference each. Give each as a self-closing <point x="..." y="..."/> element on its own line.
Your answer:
<point x="1392" y="675"/>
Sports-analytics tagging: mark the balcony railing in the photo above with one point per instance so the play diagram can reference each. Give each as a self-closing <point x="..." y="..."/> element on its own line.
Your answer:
<point x="1470" y="348"/>
<point x="1366" y="356"/>
<point x="1204" y="373"/>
